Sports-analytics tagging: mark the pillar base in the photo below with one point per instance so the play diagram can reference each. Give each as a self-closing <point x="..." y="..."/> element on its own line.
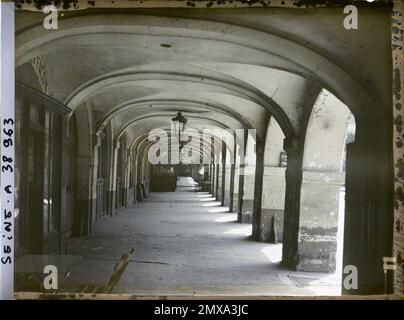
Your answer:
<point x="246" y="218"/>
<point x="267" y="232"/>
<point x="318" y="223"/>
<point x="317" y="250"/>
<point x="235" y="202"/>
<point x="247" y="214"/>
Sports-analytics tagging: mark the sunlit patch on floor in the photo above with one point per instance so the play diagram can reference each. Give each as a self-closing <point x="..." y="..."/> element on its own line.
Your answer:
<point x="211" y="204"/>
<point x="207" y="199"/>
<point x="273" y="252"/>
<point x="228" y="218"/>
<point x="219" y="209"/>
<point x="244" y="231"/>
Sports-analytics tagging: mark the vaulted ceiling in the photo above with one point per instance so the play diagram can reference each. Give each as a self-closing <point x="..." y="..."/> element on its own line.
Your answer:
<point x="229" y="69"/>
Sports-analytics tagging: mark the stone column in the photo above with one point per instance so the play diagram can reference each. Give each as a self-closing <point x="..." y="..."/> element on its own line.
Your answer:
<point x="212" y="165"/>
<point x="223" y="173"/>
<point x="219" y="195"/>
<point x="146" y="173"/>
<point x="117" y="146"/>
<point x="128" y="191"/>
<point x="242" y="142"/>
<point x="94" y="175"/>
<point x="212" y="179"/>
<point x="218" y="178"/>
<point x="85" y="167"/>
<point x="134" y="166"/>
<point x="240" y="198"/>
<point x="136" y="179"/>
<point x="139" y="194"/>
<point x="84" y="202"/>
<point x="110" y="164"/>
<point x="369" y="224"/>
<point x="273" y="204"/>
<point x="293" y="178"/>
<point x="319" y="202"/>
<point x="235" y="188"/>
<point x="232" y="172"/>
<point x="248" y="195"/>
<point x="273" y="195"/>
<point x="259" y="175"/>
<point x="226" y="200"/>
<point x="228" y="193"/>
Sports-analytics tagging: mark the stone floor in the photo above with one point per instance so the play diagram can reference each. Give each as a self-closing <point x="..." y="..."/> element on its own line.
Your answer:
<point x="186" y="243"/>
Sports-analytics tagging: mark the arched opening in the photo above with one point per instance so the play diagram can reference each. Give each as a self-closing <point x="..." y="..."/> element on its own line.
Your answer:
<point x="273" y="195"/>
<point x="331" y="125"/>
<point x="247" y="171"/>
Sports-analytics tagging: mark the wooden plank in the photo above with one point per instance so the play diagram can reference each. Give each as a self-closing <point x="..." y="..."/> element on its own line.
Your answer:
<point x="118" y="271"/>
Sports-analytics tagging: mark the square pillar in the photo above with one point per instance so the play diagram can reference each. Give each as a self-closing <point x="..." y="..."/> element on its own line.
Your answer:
<point x="293" y="178"/>
<point x="318" y="223"/>
<point x="247" y="207"/>
<point x="273" y="204"/>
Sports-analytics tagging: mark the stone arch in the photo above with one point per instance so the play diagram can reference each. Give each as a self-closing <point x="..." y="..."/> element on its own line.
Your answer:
<point x="284" y="53"/>
<point x="321" y="183"/>
<point x="179" y="104"/>
<point x="247" y="171"/>
<point x="274" y="184"/>
<point x="228" y="171"/>
<point x="228" y="85"/>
